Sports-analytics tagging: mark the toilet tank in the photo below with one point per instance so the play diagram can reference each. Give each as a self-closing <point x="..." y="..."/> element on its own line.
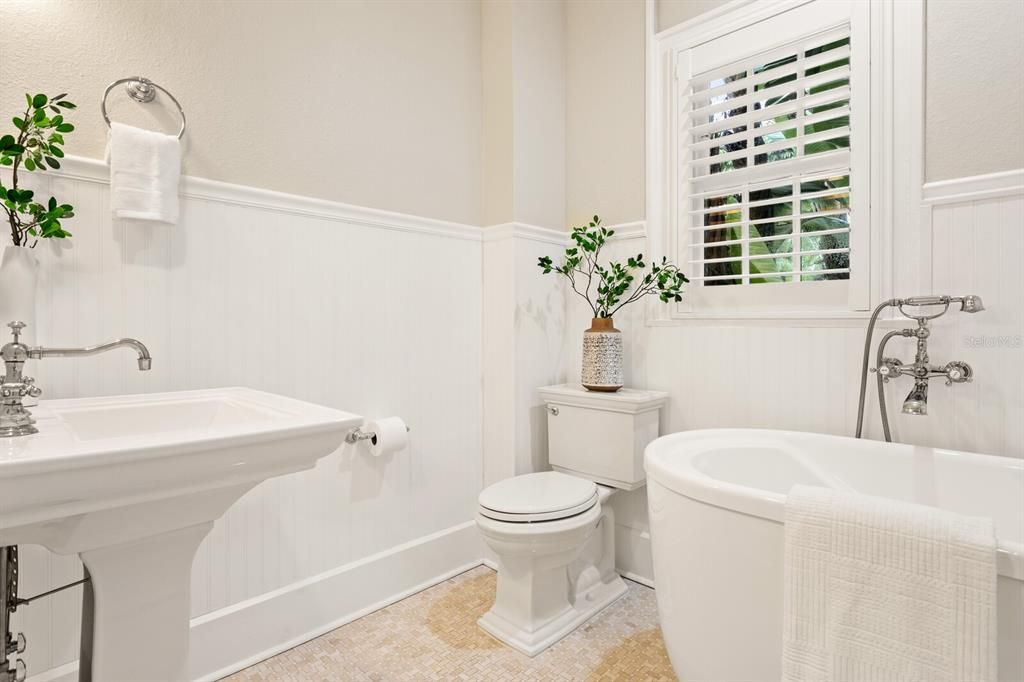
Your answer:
<point x="602" y="436"/>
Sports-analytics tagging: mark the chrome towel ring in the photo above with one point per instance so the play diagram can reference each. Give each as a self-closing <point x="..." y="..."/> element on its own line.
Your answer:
<point x="141" y="90"/>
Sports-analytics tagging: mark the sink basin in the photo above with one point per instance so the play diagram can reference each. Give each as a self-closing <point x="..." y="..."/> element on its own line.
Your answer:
<point x="100" y="453"/>
<point x="165" y="416"/>
<point x="132" y="484"/>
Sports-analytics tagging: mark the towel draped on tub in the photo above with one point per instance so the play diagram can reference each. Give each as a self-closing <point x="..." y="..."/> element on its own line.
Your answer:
<point x="878" y="590"/>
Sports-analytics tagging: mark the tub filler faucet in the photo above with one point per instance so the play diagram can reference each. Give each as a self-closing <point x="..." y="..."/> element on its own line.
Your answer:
<point x="921" y="370"/>
<point x="15" y="418"/>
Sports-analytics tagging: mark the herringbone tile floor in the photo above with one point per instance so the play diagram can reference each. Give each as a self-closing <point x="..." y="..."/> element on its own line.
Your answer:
<point x="433" y="635"/>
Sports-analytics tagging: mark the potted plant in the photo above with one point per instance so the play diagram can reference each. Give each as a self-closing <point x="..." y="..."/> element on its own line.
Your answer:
<point x="617" y="285"/>
<point x="35" y="146"/>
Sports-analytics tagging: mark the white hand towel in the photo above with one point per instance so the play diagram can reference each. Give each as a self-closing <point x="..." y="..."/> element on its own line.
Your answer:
<point x="145" y="167"/>
<point x="879" y="590"/>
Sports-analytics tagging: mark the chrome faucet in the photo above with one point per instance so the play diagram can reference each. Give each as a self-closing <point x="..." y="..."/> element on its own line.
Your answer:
<point x="955" y="372"/>
<point x="15" y="418"/>
<point x="922" y="371"/>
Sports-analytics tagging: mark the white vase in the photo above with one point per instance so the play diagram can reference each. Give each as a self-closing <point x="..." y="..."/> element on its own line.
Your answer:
<point x="19" y="273"/>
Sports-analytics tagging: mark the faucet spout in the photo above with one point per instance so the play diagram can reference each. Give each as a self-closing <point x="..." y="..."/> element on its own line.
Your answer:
<point x="15" y="418"/>
<point x="916" y="402"/>
<point x="145" y="360"/>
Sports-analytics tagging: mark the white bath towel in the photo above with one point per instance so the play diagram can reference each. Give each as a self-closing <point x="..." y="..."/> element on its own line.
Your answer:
<point x="145" y="168"/>
<point x="885" y="591"/>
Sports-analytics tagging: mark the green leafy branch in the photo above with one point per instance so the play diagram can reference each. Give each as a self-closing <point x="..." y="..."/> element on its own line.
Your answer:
<point x="618" y="284"/>
<point x="37" y="146"/>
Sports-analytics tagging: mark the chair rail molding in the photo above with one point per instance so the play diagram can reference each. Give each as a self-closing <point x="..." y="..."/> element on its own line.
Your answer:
<point x="92" y="170"/>
<point x="514" y="230"/>
<point x="632" y="230"/>
<point x="974" y="187"/>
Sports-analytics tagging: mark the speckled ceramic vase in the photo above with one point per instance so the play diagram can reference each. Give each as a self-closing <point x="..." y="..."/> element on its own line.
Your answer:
<point x="602" y="356"/>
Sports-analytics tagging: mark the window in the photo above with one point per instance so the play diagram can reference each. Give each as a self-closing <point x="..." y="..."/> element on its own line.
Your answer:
<point x="769" y="167"/>
<point x="765" y="134"/>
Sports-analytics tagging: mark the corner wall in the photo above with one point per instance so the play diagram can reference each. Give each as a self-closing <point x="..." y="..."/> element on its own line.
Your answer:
<point x="372" y="103"/>
<point x="525" y="192"/>
<point x="324" y="302"/>
<point x="973" y="50"/>
<point x="804" y="375"/>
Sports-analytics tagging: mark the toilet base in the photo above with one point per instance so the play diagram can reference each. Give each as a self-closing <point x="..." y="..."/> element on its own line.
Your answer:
<point x="587" y="605"/>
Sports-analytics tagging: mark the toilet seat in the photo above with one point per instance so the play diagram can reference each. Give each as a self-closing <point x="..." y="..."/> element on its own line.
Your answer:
<point x="534" y="498"/>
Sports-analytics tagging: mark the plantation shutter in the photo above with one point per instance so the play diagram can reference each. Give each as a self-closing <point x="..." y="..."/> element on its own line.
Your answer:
<point x="766" y="164"/>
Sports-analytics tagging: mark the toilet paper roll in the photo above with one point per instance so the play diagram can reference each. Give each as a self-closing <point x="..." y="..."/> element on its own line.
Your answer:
<point x="389" y="435"/>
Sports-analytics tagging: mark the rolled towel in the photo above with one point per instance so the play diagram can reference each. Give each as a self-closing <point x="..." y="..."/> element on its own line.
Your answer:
<point x="145" y="168"/>
<point x="879" y="590"/>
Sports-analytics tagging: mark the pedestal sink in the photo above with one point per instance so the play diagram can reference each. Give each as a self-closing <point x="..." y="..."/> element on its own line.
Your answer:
<point x="132" y="485"/>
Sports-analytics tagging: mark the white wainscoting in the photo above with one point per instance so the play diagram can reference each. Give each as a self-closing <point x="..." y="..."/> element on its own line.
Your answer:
<point x="401" y="324"/>
<point x="367" y="311"/>
<point x="975" y="226"/>
<point x="804" y="375"/>
<point x="524" y="324"/>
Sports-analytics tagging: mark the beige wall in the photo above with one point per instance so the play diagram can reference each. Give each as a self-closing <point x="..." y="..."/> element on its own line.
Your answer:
<point x="975" y="96"/>
<point x="371" y="103"/>
<point x="402" y="105"/>
<point x="605" y="110"/>
<point x="524" y="112"/>
<point x="672" y="12"/>
<point x="498" y="144"/>
<point x="539" y="90"/>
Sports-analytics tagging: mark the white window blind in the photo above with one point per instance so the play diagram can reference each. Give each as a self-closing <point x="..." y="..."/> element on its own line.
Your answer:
<point x="766" y="164"/>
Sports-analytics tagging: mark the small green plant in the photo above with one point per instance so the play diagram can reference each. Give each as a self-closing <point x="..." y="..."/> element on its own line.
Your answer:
<point x="618" y="285"/>
<point x="36" y="147"/>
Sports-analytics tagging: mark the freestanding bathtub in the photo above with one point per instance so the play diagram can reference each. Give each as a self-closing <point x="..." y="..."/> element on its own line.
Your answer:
<point x="717" y="501"/>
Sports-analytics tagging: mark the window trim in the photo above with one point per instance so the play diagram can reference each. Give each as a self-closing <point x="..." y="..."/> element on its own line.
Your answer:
<point x="894" y="188"/>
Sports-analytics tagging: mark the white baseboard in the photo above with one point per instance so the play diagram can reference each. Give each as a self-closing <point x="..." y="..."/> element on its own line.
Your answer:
<point x="643" y="580"/>
<point x="633" y="554"/>
<point x="230" y="639"/>
<point x="285" y="618"/>
<point x="62" y="673"/>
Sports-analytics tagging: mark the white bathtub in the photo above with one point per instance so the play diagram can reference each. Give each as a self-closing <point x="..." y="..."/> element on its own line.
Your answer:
<point x="717" y="500"/>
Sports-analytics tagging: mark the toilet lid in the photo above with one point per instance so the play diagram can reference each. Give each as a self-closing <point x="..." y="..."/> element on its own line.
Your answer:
<point x="544" y="496"/>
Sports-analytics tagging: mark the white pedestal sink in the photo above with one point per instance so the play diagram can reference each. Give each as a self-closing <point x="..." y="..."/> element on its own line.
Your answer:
<point x="132" y="485"/>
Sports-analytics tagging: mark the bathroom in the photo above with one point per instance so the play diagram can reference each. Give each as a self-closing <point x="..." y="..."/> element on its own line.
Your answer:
<point x="307" y="168"/>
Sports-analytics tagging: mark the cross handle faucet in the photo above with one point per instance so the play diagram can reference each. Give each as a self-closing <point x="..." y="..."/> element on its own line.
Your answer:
<point x="15" y="418"/>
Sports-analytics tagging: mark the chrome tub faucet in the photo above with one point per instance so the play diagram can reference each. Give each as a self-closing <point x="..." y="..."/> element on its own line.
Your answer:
<point x="15" y="418"/>
<point x="921" y="370"/>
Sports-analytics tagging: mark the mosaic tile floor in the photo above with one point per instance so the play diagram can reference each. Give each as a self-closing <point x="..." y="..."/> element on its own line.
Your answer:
<point x="433" y="635"/>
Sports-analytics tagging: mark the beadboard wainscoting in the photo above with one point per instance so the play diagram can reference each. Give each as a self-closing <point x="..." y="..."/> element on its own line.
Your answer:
<point x="803" y="375"/>
<point x="524" y="323"/>
<point x="453" y="328"/>
<point x="361" y="310"/>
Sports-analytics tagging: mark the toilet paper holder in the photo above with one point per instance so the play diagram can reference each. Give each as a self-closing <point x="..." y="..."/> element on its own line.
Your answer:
<point x="357" y="434"/>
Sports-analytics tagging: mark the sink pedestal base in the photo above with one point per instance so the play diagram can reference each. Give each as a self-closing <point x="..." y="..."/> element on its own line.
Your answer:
<point x="141" y="601"/>
<point x="132" y="485"/>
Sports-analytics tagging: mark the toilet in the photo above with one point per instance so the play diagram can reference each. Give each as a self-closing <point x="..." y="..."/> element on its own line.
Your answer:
<point x="553" y="532"/>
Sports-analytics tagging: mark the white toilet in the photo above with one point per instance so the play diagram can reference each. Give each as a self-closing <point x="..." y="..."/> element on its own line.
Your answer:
<point x="553" y="532"/>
